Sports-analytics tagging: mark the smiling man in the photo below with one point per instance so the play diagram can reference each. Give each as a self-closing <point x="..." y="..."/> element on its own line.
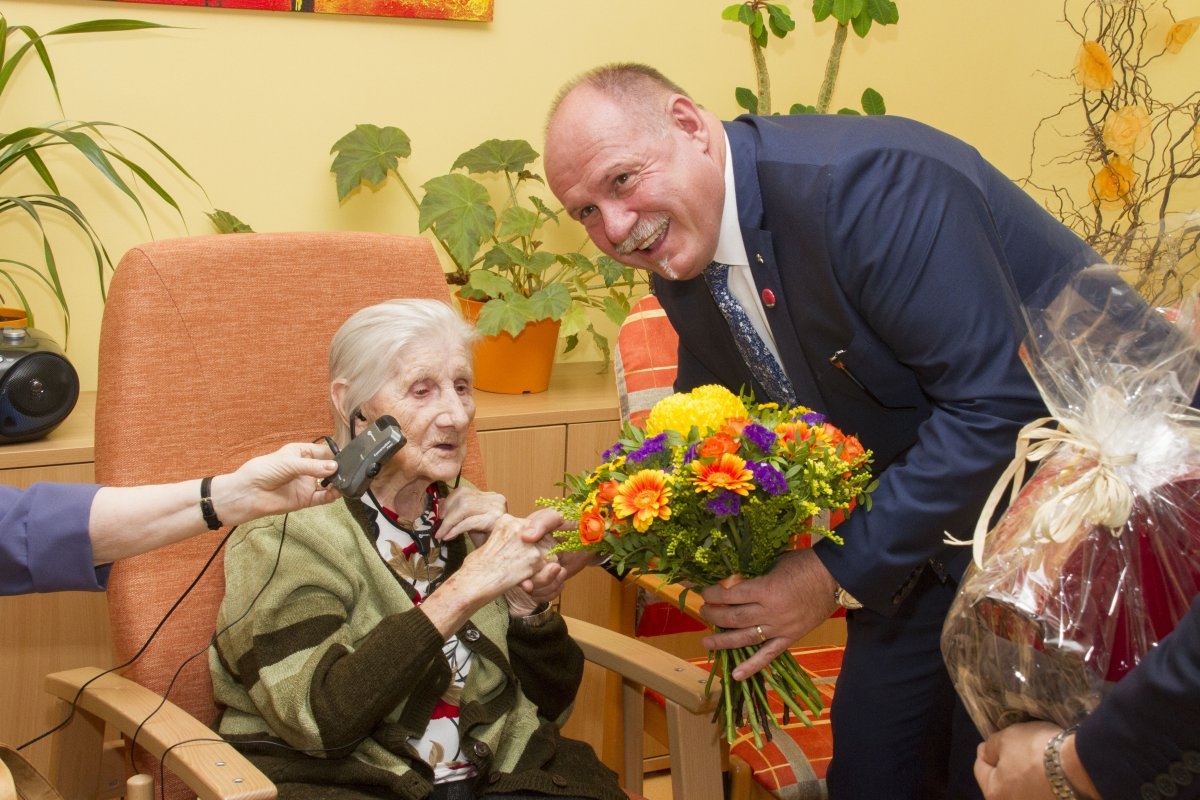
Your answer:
<point x="870" y="268"/>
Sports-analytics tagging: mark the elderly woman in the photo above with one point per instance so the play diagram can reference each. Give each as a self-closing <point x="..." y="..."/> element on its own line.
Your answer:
<point x="365" y="649"/>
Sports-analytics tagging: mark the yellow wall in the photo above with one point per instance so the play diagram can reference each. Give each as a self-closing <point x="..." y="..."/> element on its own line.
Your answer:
<point x="252" y="101"/>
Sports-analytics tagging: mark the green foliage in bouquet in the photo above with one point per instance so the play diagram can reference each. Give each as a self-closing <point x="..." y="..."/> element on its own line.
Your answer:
<point x="718" y="486"/>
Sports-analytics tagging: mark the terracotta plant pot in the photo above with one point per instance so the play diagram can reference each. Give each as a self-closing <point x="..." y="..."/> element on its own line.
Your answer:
<point x="508" y="364"/>
<point x="13" y="317"/>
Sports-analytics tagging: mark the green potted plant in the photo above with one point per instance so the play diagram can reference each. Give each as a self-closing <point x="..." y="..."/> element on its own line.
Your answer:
<point x="493" y="236"/>
<point x="39" y="150"/>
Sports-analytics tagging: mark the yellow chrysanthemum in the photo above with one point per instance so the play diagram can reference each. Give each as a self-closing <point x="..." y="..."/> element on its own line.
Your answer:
<point x="1093" y="68"/>
<point x="725" y="472"/>
<point x="1113" y="182"/>
<point x="1180" y="32"/>
<point x="645" y="496"/>
<point x="706" y="407"/>
<point x="1126" y="130"/>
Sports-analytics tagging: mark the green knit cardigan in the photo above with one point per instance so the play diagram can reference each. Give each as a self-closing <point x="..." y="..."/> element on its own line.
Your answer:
<point x="324" y="669"/>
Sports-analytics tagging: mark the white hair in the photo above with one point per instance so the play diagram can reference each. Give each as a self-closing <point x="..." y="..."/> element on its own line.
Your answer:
<point x="365" y="351"/>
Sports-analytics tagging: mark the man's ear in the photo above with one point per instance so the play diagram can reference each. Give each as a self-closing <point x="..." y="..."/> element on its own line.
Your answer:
<point x="688" y="117"/>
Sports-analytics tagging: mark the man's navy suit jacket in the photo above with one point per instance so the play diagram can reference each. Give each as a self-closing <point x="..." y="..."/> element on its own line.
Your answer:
<point x="898" y="260"/>
<point x="900" y="254"/>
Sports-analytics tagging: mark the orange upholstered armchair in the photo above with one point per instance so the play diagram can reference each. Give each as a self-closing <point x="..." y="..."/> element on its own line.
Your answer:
<point x="213" y="349"/>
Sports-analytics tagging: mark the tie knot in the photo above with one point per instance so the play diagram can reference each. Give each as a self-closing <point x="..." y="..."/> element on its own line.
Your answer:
<point x="717" y="273"/>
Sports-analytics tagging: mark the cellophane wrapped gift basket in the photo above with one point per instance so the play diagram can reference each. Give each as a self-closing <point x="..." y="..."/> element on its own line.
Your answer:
<point x="1097" y="556"/>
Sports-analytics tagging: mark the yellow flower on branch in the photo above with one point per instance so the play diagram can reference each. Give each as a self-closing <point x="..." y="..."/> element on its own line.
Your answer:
<point x="1127" y="130"/>
<point x="1113" y="182"/>
<point x="727" y="471"/>
<point x="645" y="496"/>
<point x="1180" y="32"/>
<point x="1093" y="68"/>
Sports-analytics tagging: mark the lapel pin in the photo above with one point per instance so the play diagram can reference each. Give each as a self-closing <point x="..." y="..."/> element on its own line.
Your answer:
<point x="768" y="298"/>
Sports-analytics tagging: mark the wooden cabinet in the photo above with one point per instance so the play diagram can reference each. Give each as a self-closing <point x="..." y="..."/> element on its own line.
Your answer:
<point x="529" y="442"/>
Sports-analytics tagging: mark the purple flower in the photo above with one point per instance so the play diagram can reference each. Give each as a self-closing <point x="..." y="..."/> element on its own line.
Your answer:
<point x="770" y="478"/>
<point x="725" y="504"/>
<point x="759" y="436"/>
<point x="655" y="444"/>
<point x="813" y="418"/>
<point x="612" y="452"/>
<point x="690" y="456"/>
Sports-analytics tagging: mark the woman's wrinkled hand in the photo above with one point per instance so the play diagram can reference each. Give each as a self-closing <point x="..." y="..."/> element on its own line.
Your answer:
<point x="470" y="510"/>
<point x="504" y="559"/>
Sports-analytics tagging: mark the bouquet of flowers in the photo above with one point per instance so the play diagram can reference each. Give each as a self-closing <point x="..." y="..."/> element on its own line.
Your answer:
<point x="718" y="486"/>
<point x="1097" y="556"/>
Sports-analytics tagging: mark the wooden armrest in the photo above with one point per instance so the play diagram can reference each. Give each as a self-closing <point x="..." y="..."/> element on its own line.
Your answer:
<point x="695" y="743"/>
<point x="8" y="788"/>
<point x="674" y="678"/>
<point x="198" y="756"/>
<point x="656" y="585"/>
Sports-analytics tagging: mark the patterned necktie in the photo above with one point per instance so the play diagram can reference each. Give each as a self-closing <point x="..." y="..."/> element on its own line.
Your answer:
<point x="764" y="366"/>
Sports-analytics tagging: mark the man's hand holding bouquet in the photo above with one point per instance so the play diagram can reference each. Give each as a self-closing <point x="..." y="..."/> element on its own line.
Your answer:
<point x="716" y="488"/>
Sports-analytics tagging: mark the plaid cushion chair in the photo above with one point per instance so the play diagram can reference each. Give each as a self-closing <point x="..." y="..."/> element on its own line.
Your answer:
<point x="645" y="361"/>
<point x="793" y="764"/>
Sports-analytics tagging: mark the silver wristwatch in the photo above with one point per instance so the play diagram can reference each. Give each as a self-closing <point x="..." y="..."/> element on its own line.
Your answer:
<point x="845" y="599"/>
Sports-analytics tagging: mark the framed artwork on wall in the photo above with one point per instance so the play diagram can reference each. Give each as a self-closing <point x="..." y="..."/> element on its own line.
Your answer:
<point x="469" y="10"/>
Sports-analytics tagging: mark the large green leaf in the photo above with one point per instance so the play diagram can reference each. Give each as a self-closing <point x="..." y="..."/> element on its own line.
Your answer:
<point x="458" y="210"/>
<point x="491" y="284"/>
<point x="510" y="315"/>
<point x="780" y="20"/>
<point x="550" y="302"/>
<point x="516" y="222"/>
<point x="746" y="99"/>
<point x="497" y="155"/>
<point x="872" y="102"/>
<point x="366" y="155"/>
<point x="884" y="12"/>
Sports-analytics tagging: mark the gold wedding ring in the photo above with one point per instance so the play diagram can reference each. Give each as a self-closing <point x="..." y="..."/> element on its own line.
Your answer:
<point x="762" y="637"/>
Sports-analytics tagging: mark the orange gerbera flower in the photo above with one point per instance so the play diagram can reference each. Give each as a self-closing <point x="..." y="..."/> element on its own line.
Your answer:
<point x="718" y="444"/>
<point x="792" y="431"/>
<point x="591" y="526"/>
<point x="726" y="472"/>
<point x="645" y="496"/>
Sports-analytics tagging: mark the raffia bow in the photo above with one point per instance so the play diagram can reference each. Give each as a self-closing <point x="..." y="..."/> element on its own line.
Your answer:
<point x="1090" y="489"/>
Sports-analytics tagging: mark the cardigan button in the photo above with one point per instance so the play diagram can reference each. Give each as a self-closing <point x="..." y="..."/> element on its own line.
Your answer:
<point x="481" y="750"/>
<point x="471" y="635"/>
<point x="559" y="780"/>
<point x="1191" y="760"/>
<point x="1179" y="773"/>
<point x="1149" y="792"/>
<point x="495" y="777"/>
<point x="1166" y="787"/>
